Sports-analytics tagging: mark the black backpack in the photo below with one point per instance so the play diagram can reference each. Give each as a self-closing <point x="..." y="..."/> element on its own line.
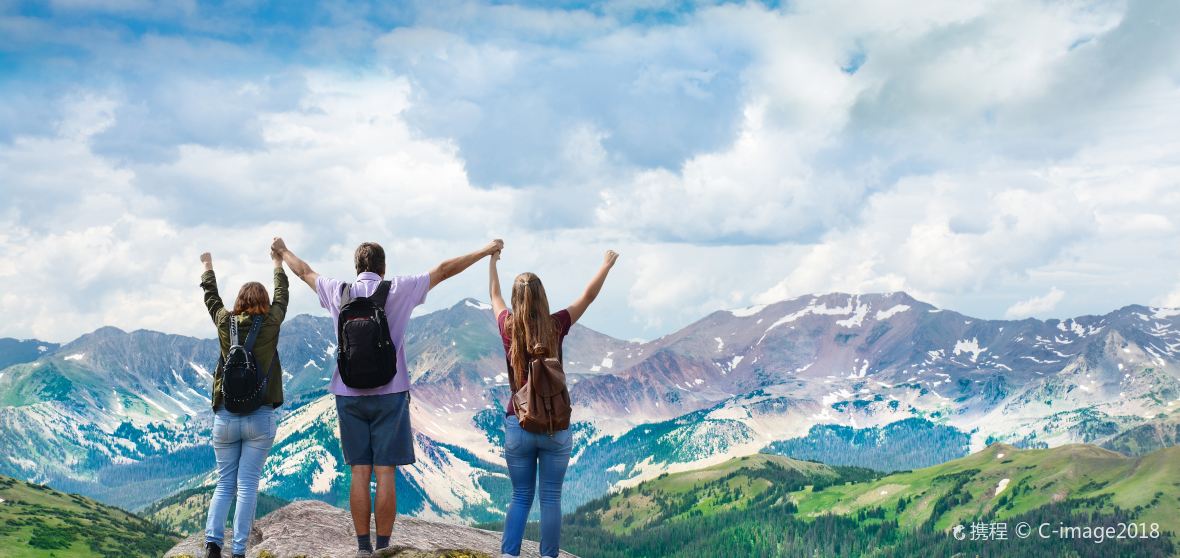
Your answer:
<point x="243" y="387"/>
<point x="365" y="353"/>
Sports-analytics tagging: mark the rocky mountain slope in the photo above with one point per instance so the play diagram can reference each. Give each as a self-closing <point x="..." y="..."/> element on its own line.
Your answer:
<point x="124" y="417"/>
<point x="312" y="529"/>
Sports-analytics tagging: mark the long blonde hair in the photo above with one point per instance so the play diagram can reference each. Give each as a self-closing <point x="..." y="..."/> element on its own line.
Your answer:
<point x="531" y="329"/>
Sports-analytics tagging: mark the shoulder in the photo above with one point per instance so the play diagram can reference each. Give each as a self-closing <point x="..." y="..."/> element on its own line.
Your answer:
<point x="410" y="287"/>
<point x="410" y="282"/>
<point x="327" y="285"/>
<point x="564" y="321"/>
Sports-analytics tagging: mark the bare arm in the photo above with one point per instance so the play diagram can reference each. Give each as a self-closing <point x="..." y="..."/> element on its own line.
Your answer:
<point x="298" y="266"/>
<point x="579" y="306"/>
<point x="455" y="266"/>
<point x="498" y="305"/>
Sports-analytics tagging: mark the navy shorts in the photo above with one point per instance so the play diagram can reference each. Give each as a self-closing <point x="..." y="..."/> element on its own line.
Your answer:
<point x="375" y="429"/>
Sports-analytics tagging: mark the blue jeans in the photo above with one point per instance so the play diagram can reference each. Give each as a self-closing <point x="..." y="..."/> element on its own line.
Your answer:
<point x="527" y="453"/>
<point x="240" y="443"/>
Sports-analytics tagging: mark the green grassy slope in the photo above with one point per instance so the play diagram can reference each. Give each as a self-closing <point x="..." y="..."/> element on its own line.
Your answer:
<point x="185" y="512"/>
<point x="737" y="484"/>
<point x="772" y="506"/>
<point x="971" y="486"/>
<point x="36" y="521"/>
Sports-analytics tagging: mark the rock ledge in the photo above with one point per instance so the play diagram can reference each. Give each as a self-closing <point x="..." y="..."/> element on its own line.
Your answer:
<point x="313" y="529"/>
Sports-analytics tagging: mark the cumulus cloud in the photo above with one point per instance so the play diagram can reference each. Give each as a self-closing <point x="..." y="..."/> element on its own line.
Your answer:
<point x="1036" y="306"/>
<point x="973" y="154"/>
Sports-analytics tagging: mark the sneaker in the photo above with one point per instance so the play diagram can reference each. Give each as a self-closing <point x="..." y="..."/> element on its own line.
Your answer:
<point x="212" y="550"/>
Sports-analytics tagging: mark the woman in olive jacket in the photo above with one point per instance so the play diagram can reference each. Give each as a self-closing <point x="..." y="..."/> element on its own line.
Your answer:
<point x="241" y="441"/>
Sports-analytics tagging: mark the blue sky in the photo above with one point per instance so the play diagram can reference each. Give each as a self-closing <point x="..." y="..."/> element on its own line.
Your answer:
<point x="1001" y="158"/>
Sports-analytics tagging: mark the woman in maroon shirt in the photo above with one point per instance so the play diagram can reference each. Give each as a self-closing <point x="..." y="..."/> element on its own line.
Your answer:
<point x="528" y="453"/>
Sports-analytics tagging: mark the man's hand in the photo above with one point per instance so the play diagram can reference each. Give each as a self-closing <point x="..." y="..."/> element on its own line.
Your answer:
<point x="279" y="250"/>
<point x="493" y="247"/>
<point x="610" y="258"/>
<point x="276" y="257"/>
<point x="207" y="259"/>
<point x="455" y="266"/>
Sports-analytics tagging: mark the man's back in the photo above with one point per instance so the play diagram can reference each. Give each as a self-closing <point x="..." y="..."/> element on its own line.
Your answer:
<point x="405" y="293"/>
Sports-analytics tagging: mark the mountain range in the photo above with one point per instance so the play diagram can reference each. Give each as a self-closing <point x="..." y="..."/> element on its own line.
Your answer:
<point x="880" y="381"/>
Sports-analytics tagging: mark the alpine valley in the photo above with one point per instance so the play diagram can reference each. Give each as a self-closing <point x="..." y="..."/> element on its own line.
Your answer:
<point x="879" y="381"/>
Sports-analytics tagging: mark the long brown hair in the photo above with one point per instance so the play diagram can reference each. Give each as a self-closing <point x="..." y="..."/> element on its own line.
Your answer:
<point x="252" y="299"/>
<point x="532" y="328"/>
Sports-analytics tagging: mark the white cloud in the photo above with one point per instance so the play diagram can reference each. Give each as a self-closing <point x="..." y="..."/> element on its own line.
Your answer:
<point x="964" y="152"/>
<point x="1036" y="306"/>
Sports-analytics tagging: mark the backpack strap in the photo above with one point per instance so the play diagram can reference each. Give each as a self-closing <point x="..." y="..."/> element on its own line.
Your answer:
<point x="378" y="297"/>
<point x="345" y="294"/>
<point x="253" y="335"/>
<point x="233" y="330"/>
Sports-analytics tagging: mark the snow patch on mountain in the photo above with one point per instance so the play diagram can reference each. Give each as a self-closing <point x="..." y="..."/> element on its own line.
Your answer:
<point x="835" y="396"/>
<point x="477" y="304"/>
<point x="970" y="347"/>
<point x="891" y="312"/>
<point x="812" y="308"/>
<point x="747" y="311"/>
<point x="321" y="481"/>
<point x="200" y="370"/>
<point x="1001" y="486"/>
<point x="75" y="356"/>
<point x="857" y="318"/>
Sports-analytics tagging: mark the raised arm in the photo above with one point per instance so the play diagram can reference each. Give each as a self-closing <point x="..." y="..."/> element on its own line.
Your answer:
<point x="298" y="266"/>
<point x="494" y="286"/>
<point x="282" y="291"/>
<point x="579" y="306"/>
<point x="455" y="266"/>
<point x="213" y="301"/>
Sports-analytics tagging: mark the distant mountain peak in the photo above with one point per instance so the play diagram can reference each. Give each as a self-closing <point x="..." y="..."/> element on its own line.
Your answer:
<point x="471" y="303"/>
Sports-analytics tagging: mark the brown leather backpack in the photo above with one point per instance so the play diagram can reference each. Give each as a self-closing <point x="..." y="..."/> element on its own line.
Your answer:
<point x="542" y="404"/>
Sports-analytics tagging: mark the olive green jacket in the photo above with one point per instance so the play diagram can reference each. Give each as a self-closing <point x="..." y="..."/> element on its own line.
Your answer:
<point x="265" y="346"/>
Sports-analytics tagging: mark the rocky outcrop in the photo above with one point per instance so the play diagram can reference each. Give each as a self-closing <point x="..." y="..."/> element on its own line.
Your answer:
<point x="313" y="529"/>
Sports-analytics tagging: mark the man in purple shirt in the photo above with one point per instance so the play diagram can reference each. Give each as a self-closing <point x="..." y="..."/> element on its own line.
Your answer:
<point x="375" y="430"/>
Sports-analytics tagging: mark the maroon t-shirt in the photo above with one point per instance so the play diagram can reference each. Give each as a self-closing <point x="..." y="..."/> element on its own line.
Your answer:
<point x="563" y="328"/>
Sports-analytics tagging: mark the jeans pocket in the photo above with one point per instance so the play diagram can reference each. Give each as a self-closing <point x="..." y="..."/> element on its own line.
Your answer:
<point x="563" y="439"/>
<point x="221" y="428"/>
<point x="262" y="426"/>
<point x="513" y="434"/>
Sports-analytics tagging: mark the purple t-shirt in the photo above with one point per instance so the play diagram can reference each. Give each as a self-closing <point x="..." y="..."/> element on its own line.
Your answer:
<point x="405" y="292"/>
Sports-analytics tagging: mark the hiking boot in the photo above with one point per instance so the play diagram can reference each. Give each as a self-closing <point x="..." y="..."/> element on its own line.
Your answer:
<point x="212" y="550"/>
<point x="364" y="553"/>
